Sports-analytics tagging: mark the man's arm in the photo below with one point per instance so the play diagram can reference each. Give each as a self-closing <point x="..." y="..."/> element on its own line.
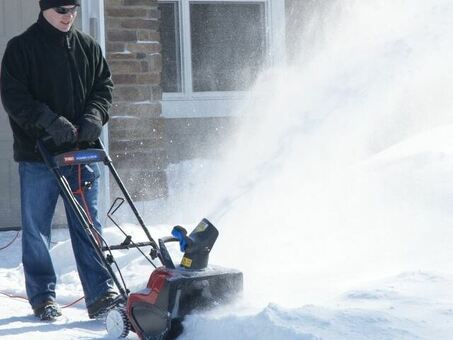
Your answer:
<point x="96" y="113"/>
<point x="30" y="114"/>
<point x="100" y="99"/>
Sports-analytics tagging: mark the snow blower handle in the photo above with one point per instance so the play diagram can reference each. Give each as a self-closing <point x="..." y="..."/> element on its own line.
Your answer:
<point x="87" y="156"/>
<point x="75" y="156"/>
<point x="45" y="153"/>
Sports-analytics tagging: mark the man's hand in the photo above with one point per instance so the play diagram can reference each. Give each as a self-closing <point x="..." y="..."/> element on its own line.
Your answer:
<point x="90" y="128"/>
<point x="62" y="131"/>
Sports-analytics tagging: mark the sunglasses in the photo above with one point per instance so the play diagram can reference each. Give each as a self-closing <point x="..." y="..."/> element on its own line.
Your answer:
<point x="65" y="10"/>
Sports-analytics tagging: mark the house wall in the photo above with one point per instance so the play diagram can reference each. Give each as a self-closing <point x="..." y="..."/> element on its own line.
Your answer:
<point x="136" y="130"/>
<point x="142" y="141"/>
<point x="15" y="17"/>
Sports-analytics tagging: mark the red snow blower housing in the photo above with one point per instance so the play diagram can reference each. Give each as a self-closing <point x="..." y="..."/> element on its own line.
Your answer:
<point x="172" y="293"/>
<point x="157" y="311"/>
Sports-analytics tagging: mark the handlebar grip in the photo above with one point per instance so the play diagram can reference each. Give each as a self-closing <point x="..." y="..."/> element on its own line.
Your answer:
<point x="75" y="157"/>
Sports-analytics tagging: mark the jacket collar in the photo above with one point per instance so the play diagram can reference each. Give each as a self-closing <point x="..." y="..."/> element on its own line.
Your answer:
<point x="52" y="34"/>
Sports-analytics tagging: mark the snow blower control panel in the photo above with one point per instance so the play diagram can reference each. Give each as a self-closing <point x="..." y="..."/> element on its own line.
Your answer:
<point x="80" y="157"/>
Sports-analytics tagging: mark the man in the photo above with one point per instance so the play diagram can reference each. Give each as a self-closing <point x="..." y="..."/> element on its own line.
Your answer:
<point x="55" y="82"/>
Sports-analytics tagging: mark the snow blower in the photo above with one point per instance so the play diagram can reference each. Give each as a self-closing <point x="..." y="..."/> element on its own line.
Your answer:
<point x="173" y="291"/>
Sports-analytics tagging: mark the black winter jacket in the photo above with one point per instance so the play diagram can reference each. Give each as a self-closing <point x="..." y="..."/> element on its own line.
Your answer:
<point x="47" y="73"/>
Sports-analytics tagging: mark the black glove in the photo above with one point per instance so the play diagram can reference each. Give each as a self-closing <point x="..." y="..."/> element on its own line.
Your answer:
<point x="90" y="128"/>
<point x="62" y="131"/>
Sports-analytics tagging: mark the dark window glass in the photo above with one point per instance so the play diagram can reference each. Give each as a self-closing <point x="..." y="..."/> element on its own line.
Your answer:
<point x="170" y="47"/>
<point x="228" y="45"/>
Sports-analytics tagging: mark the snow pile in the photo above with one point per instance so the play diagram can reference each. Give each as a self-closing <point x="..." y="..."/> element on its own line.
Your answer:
<point x="411" y="305"/>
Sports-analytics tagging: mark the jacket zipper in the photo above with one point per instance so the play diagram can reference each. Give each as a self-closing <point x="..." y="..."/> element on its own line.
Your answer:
<point x="68" y="43"/>
<point x="69" y="60"/>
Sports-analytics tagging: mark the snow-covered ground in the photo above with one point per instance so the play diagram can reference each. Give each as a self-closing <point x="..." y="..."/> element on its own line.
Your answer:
<point x="410" y="305"/>
<point x="334" y="197"/>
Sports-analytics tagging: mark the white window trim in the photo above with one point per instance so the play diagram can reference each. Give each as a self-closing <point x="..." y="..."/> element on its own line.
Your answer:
<point x="92" y="12"/>
<point x="92" y="15"/>
<point x="189" y="104"/>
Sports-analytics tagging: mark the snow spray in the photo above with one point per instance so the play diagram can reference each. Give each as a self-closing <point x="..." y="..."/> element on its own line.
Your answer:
<point x="306" y="199"/>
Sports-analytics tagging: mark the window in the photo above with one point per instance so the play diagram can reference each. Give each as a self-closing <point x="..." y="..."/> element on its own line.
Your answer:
<point x="228" y="45"/>
<point x="212" y="51"/>
<point x="170" y="42"/>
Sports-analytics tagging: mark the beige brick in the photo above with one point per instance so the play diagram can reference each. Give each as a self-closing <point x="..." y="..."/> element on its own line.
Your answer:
<point x="126" y="12"/>
<point x="145" y="66"/>
<point x="122" y="79"/>
<point x="148" y="160"/>
<point x="148" y="48"/>
<point x="146" y="127"/>
<point x="132" y="93"/>
<point x="133" y="79"/>
<point x="155" y="63"/>
<point x="148" y="78"/>
<point x="138" y="23"/>
<point x="113" y="23"/>
<point x="154" y="13"/>
<point x="139" y="2"/>
<point x="156" y="92"/>
<point x="125" y="66"/>
<point x="112" y="3"/>
<point x="121" y="35"/>
<point x="122" y="56"/>
<point x="148" y="35"/>
<point x="116" y="47"/>
<point x="148" y="109"/>
<point x="137" y="143"/>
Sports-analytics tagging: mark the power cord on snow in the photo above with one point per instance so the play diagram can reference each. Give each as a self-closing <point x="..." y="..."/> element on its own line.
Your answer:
<point x="74" y="302"/>
<point x="24" y="298"/>
<point x="11" y="242"/>
<point x="14" y="296"/>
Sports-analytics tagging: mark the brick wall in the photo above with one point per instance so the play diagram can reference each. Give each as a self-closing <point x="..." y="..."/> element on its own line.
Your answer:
<point x="136" y="131"/>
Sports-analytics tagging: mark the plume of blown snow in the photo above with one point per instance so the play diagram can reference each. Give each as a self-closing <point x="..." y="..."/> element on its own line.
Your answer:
<point x="297" y="209"/>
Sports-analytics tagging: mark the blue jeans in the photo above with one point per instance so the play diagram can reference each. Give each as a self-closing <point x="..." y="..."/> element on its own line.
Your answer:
<point x="39" y="195"/>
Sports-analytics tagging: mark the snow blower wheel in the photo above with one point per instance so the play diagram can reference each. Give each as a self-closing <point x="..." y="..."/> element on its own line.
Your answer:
<point x="117" y="324"/>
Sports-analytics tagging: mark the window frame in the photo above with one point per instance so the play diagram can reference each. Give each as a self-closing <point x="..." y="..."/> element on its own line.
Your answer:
<point x="91" y="20"/>
<point x="190" y="104"/>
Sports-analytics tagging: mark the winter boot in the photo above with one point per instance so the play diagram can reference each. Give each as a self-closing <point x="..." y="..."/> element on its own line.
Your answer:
<point x="102" y="305"/>
<point x="47" y="311"/>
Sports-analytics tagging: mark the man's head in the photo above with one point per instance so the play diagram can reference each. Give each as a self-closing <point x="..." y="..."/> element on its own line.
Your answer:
<point x="60" y="13"/>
